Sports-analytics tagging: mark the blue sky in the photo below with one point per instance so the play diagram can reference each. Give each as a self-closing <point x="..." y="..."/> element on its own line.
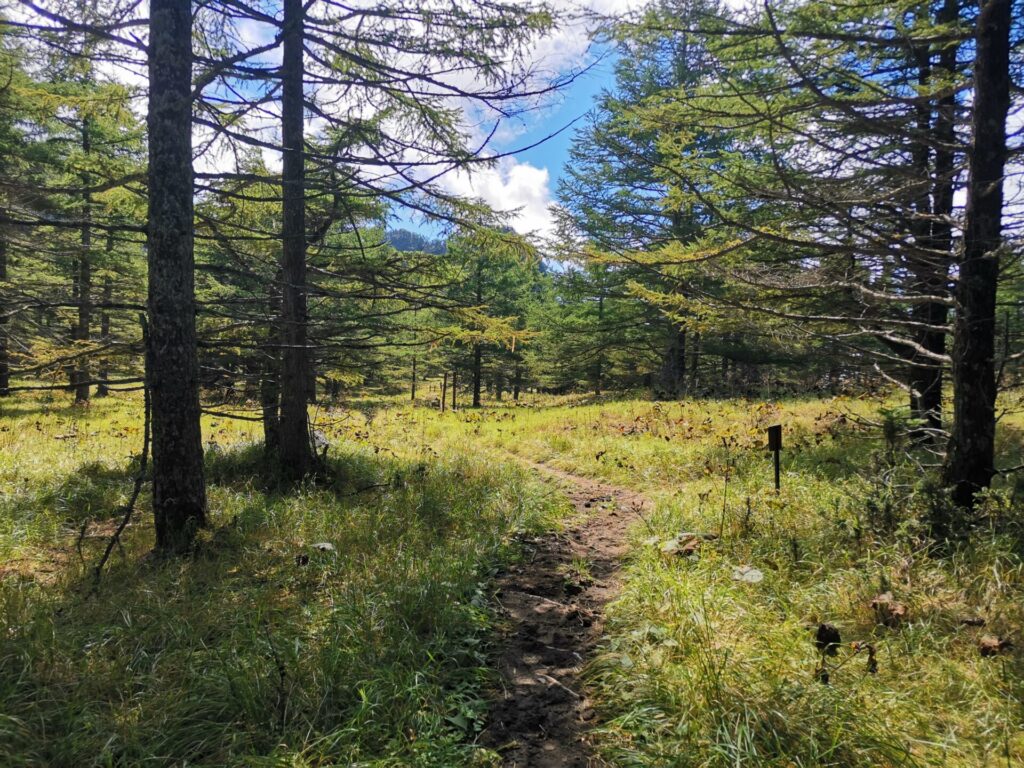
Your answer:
<point x="528" y="180"/>
<point x="577" y="99"/>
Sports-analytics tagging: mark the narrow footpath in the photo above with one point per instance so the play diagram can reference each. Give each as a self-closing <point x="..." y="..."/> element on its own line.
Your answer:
<point x="553" y="603"/>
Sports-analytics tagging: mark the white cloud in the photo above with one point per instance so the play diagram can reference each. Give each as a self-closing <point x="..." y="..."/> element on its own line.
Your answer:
<point x="521" y="189"/>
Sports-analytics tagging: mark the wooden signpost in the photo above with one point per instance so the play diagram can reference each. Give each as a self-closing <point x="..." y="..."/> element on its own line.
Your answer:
<point x="775" y="445"/>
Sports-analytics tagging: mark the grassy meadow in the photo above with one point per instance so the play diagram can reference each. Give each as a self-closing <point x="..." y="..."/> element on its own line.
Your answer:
<point x="704" y="668"/>
<point x="263" y="650"/>
<point x="260" y="649"/>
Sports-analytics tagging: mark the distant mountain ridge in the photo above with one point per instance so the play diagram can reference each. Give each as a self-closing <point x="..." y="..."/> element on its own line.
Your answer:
<point x="404" y="240"/>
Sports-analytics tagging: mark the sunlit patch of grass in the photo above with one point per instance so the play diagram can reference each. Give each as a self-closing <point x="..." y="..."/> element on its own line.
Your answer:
<point x="701" y="668"/>
<point x="724" y="671"/>
<point x="260" y="649"/>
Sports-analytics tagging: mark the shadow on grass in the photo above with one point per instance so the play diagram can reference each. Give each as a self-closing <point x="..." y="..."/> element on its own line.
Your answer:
<point x="261" y="649"/>
<point x="41" y="513"/>
<point x="15" y="407"/>
<point x="345" y="474"/>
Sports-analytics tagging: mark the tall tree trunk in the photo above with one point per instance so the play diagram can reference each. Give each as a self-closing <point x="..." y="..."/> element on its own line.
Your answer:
<point x="413" y="395"/>
<point x="71" y="368"/>
<point x="295" y="451"/>
<point x="270" y="404"/>
<point x="477" y="350"/>
<point x="936" y="314"/>
<point x="79" y="374"/>
<point x="5" y="355"/>
<point x="311" y="385"/>
<point x="103" y="388"/>
<point x="517" y="380"/>
<point x="942" y="208"/>
<point x="599" y="362"/>
<point x="971" y="456"/>
<point x="179" y="490"/>
<point x="934" y="231"/>
<point x="673" y="369"/>
<point x="478" y="373"/>
<point x="924" y="373"/>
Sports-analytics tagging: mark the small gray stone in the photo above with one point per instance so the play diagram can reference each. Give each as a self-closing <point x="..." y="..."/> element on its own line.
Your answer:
<point x="748" y="574"/>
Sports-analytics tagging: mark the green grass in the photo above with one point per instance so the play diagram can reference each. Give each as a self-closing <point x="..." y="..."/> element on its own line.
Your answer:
<point x="377" y="654"/>
<point x="699" y="669"/>
<point x="246" y="654"/>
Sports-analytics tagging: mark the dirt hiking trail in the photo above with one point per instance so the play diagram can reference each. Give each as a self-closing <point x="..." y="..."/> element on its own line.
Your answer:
<point x="553" y="605"/>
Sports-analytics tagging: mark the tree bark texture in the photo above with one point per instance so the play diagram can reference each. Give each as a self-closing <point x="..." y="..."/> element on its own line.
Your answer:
<point x="179" y="491"/>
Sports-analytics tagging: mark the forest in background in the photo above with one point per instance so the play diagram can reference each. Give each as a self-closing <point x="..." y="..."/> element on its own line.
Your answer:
<point x="798" y="195"/>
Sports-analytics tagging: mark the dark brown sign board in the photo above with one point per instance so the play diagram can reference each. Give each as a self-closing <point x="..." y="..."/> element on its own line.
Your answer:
<point x="775" y="445"/>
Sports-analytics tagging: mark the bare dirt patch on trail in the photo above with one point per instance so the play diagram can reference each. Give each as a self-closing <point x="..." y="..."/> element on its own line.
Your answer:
<point x="553" y="604"/>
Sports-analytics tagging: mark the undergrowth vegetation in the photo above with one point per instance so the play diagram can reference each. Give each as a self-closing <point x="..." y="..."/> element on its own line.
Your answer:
<point x="263" y="649"/>
<point x="711" y="658"/>
<point x="342" y="623"/>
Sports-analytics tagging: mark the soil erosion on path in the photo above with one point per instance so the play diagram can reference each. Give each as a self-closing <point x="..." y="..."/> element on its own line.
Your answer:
<point x="553" y="603"/>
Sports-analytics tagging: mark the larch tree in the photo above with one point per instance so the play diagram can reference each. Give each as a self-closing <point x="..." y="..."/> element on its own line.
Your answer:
<point x="172" y="366"/>
<point x="383" y="87"/>
<point x="970" y="462"/>
<point x="296" y="454"/>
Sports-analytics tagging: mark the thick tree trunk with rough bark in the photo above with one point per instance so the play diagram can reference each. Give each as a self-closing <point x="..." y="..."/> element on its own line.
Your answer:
<point x="179" y="491"/>
<point x="295" y="452"/>
<point x="971" y="456"/>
